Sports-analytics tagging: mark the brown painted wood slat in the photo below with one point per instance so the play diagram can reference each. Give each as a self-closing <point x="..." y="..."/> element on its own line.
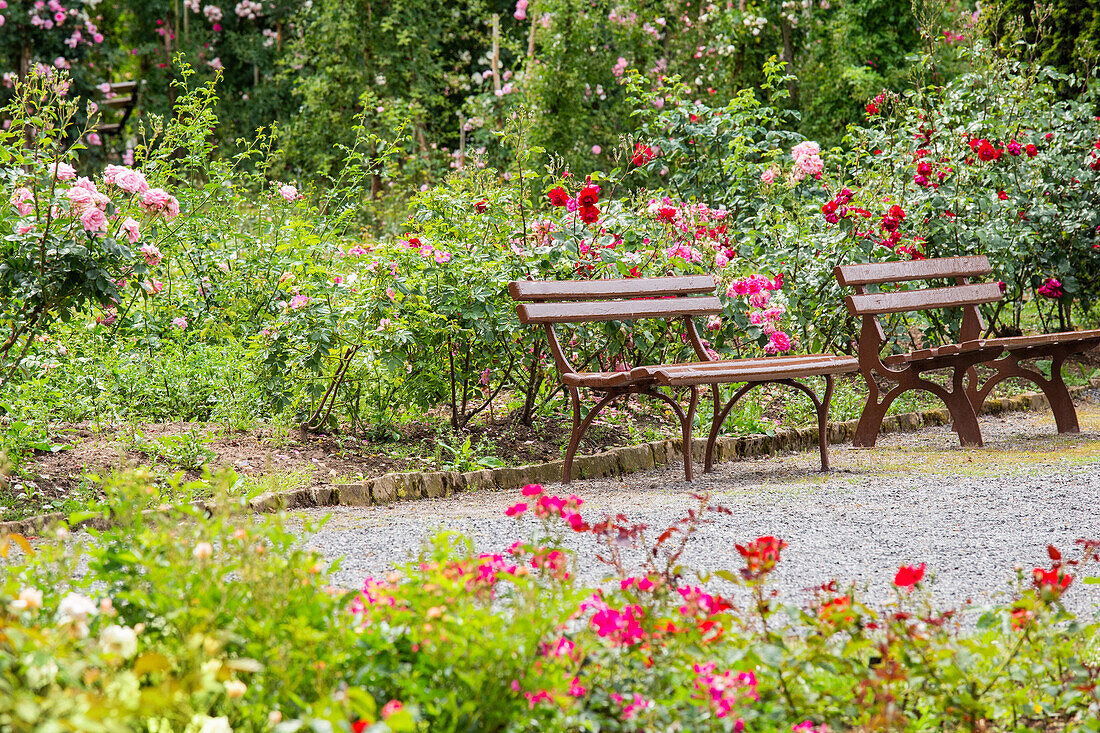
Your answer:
<point x="685" y="375"/>
<point x="603" y="289"/>
<point x="720" y="364"/>
<point x="924" y="354"/>
<point x="923" y="299"/>
<point x="871" y="273"/>
<point x="617" y="310"/>
<point x="1023" y="342"/>
<point x="117" y="102"/>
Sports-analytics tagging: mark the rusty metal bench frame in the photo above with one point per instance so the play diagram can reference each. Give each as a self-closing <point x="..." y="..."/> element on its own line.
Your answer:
<point x="549" y="303"/>
<point x="967" y="394"/>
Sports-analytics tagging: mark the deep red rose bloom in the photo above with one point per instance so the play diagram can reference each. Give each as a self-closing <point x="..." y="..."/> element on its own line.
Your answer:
<point x="762" y="554"/>
<point x="986" y="151"/>
<point x="359" y="726"/>
<point x="558" y="196"/>
<point x="589" y="195"/>
<point x="896" y="212"/>
<point x="909" y="575"/>
<point x="1053" y="581"/>
<point x="872" y="109"/>
<point x="924" y="168"/>
<point x="828" y="208"/>
<point x="1002" y="195"/>
<point x="482" y="206"/>
<point x="1031" y="150"/>
<point x="667" y="213"/>
<point x="642" y="154"/>
<point x="589" y="214"/>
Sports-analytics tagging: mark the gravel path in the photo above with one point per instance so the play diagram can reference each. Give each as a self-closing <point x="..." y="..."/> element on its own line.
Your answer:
<point x="971" y="515"/>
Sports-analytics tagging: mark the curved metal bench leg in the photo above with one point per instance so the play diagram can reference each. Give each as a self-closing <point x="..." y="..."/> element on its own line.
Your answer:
<point x="822" y="407"/>
<point x="1055" y="389"/>
<point x="719" y="418"/>
<point x="870" y="420"/>
<point x="685" y="422"/>
<point x="578" y="432"/>
<point x="964" y="419"/>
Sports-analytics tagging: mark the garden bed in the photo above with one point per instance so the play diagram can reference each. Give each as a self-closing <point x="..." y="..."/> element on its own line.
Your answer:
<point x="182" y="456"/>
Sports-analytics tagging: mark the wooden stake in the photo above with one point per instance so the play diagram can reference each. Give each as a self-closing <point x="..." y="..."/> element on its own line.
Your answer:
<point x="496" y="52"/>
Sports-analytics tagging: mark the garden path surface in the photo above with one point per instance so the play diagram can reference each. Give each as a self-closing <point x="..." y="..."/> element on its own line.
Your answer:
<point x="973" y="515"/>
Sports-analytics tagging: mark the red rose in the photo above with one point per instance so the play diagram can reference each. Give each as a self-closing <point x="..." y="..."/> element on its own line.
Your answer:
<point x="667" y="213"/>
<point x="828" y="208"/>
<point x="1002" y="195"/>
<point x="589" y="195"/>
<point x="481" y="206"/>
<point x="1031" y="150"/>
<point x="558" y="196"/>
<point x="909" y="575"/>
<point x="872" y="109"/>
<point x="1051" y="582"/>
<point x="986" y="151"/>
<point x="642" y="154"/>
<point x="896" y="212"/>
<point x="589" y="214"/>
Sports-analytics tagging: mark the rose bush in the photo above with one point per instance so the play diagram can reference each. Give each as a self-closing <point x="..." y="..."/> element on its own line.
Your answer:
<point x="508" y="639"/>
<point x="69" y="241"/>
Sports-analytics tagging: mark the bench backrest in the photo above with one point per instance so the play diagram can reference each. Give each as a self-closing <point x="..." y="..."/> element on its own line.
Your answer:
<point x="549" y="302"/>
<point x="582" y="301"/>
<point x="961" y="294"/>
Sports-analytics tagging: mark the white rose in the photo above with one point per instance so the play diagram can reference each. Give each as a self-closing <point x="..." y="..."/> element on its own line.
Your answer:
<point x="29" y="599"/>
<point x="75" y="608"/>
<point x="216" y="725"/>
<point x="120" y="640"/>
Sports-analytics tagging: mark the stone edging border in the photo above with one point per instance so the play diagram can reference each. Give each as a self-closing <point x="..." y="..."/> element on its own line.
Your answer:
<point x="629" y="459"/>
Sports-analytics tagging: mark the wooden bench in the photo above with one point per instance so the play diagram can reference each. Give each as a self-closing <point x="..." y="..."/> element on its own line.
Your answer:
<point x="549" y="303"/>
<point x="967" y="394"/>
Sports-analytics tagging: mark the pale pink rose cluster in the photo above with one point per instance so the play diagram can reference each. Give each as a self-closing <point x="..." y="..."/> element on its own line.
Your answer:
<point x="158" y="201"/>
<point x="127" y="179"/>
<point x="807" y="160"/>
<point x="288" y="192"/>
<point x="62" y="171"/>
<point x="89" y="205"/>
<point x="23" y="201"/>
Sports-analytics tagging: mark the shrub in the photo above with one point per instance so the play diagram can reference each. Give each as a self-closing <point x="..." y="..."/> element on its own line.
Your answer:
<point x="508" y="639"/>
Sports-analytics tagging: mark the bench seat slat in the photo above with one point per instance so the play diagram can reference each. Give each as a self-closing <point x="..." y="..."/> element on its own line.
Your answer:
<point x="1087" y="339"/>
<point x="923" y="354"/>
<point x="733" y="371"/>
<point x="617" y="310"/>
<point x="923" y="299"/>
<point x="872" y="273"/>
<point x="619" y="288"/>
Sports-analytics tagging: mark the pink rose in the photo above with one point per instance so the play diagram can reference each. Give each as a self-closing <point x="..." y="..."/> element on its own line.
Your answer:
<point x="298" y="301"/>
<point x="778" y="342"/>
<point x="179" y="322"/>
<point x="23" y="201"/>
<point x="131" y="181"/>
<point x="81" y="199"/>
<point x="288" y="192"/>
<point x="62" y="171"/>
<point x="132" y="229"/>
<point x="93" y="220"/>
<point x="151" y="254"/>
<point x="157" y="200"/>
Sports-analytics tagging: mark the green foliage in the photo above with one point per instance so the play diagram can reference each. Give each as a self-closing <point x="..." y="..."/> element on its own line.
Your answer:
<point x="1063" y="34"/>
<point x="188" y="620"/>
